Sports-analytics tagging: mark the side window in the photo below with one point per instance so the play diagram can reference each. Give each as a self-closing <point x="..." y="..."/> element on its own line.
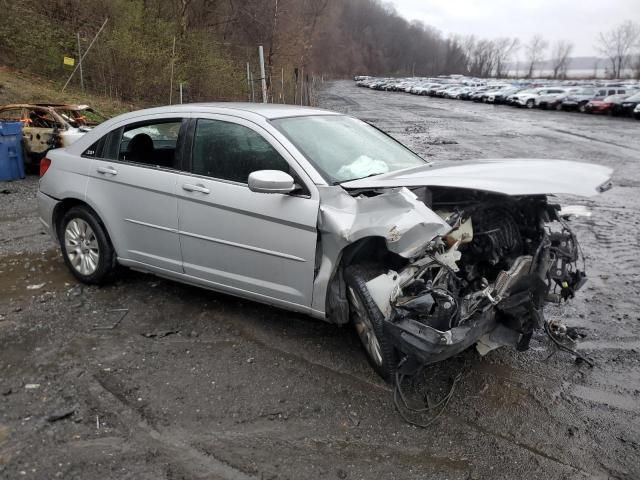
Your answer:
<point x="148" y="143"/>
<point x="229" y="151"/>
<point x="40" y="118"/>
<point x="611" y="92"/>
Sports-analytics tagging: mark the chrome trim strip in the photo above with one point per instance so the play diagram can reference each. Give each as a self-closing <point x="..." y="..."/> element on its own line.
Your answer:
<point x="217" y="240"/>
<point x="243" y="246"/>
<point x="151" y="225"/>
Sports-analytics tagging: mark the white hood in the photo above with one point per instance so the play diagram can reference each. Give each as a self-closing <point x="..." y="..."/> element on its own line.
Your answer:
<point x="509" y="177"/>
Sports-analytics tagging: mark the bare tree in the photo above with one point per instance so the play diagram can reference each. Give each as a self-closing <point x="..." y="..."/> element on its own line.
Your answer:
<point x="535" y="52"/>
<point x="560" y="58"/>
<point x="617" y="44"/>
<point x="504" y="49"/>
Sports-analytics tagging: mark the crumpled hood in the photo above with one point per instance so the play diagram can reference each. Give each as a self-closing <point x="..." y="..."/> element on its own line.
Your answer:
<point x="509" y="177"/>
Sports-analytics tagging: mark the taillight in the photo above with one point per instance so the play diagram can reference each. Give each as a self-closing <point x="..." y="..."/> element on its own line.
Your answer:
<point x="45" y="163"/>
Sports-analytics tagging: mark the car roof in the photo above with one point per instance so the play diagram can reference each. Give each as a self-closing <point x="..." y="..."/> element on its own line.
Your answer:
<point x="266" y="110"/>
<point x="259" y="113"/>
<point x="24" y="105"/>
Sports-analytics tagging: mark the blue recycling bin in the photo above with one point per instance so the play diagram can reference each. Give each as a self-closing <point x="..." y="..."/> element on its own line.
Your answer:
<point x="11" y="162"/>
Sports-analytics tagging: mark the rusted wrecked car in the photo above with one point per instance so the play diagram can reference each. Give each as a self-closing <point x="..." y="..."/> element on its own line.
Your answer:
<point x="47" y="126"/>
<point x="321" y="213"/>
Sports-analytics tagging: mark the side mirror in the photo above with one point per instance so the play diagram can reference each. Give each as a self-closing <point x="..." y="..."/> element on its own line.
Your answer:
<point x="271" y="181"/>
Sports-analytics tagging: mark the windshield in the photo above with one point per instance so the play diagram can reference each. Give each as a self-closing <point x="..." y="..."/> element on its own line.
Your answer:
<point x="342" y="148"/>
<point x="635" y="97"/>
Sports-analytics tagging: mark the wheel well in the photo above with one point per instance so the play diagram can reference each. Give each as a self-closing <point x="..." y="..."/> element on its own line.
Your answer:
<point x="67" y="204"/>
<point x="371" y="250"/>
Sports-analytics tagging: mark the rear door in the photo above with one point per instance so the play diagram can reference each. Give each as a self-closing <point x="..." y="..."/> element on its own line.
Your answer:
<point x="132" y="183"/>
<point x="253" y="244"/>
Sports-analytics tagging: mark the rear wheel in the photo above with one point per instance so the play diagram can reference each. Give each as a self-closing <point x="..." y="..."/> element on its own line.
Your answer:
<point x="86" y="248"/>
<point x="530" y="103"/>
<point x="369" y="321"/>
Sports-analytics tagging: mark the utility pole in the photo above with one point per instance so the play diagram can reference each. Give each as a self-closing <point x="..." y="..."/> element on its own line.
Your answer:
<point x="302" y="85"/>
<point x="262" y="74"/>
<point x="85" y="53"/>
<point x="173" y="61"/>
<point x="282" y="97"/>
<point x="80" y="63"/>
<point x="248" y="82"/>
<point x="253" y="92"/>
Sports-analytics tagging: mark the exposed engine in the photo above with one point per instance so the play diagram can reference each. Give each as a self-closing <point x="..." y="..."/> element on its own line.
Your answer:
<point x="504" y="257"/>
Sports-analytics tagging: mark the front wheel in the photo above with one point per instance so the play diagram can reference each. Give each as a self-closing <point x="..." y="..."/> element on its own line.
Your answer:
<point x="369" y="321"/>
<point x="530" y="103"/>
<point x="86" y="248"/>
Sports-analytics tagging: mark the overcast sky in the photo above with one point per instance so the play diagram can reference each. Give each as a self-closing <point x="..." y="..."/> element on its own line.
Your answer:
<point x="575" y="20"/>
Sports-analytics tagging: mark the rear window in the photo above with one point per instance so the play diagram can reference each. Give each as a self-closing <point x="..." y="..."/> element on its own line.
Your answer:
<point x="152" y="143"/>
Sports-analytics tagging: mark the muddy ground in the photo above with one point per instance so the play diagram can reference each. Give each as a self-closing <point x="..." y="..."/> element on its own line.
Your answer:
<point x="190" y="384"/>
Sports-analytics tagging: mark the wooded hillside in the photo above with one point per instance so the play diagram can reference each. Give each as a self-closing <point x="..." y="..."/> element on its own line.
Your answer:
<point x="306" y="40"/>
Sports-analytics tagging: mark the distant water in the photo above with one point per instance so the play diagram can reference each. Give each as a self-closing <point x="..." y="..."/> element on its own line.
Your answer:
<point x="600" y="72"/>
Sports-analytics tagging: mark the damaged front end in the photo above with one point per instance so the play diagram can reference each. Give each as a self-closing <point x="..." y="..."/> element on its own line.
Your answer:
<point x="485" y="281"/>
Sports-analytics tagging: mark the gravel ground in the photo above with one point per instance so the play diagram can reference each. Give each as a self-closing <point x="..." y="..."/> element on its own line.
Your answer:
<point x="149" y="379"/>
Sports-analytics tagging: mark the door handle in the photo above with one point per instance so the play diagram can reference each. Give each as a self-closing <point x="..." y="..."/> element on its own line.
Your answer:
<point x="195" y="188"/>
<point x="107" y="170"/>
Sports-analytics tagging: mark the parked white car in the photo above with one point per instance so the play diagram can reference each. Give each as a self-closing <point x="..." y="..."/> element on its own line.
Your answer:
<point x="526" y="98"/>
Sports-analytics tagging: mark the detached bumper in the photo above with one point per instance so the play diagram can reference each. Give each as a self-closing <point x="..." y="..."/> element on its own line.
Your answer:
<point x="429" y="345"/>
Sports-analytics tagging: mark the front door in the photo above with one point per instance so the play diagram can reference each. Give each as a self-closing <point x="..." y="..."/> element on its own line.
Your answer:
<point x="253" y="244"/>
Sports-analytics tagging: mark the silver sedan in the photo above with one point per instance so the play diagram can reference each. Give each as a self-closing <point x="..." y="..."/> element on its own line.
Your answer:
<point x="321" y="213"/>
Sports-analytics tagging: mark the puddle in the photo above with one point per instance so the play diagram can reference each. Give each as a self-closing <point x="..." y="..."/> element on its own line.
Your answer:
<point x="18" y="272"/>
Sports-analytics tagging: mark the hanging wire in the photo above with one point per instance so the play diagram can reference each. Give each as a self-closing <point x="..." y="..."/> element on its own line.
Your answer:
<point x="566" y="348"/>
<point x="402" y="404"/>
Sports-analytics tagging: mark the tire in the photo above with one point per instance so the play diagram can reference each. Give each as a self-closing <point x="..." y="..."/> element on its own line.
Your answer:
<point x="559" y="107"/>
<point x="86" y="248"/>
<point x="530" y="103"/>
<point x="369" y="322"/>
<point x="582" y="108"/>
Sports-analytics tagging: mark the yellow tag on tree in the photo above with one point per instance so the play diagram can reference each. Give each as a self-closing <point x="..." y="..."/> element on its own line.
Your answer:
<point x="69" y="61"/>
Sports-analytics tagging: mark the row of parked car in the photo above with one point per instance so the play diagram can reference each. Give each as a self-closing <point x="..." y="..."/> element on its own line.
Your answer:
<point x="619" y="99"/>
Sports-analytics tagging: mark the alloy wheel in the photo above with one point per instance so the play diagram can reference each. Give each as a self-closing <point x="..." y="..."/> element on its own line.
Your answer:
<point x="365" y="330"/>
<point x="81" y="246"/>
